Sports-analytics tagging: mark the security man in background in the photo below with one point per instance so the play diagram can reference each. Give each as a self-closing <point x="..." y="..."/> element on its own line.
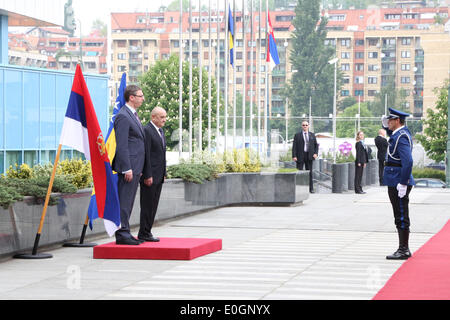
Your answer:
<point x="397" y="176"/>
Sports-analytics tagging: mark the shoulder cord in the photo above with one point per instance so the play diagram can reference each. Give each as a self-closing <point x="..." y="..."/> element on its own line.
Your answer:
<point x="396" y="143"/>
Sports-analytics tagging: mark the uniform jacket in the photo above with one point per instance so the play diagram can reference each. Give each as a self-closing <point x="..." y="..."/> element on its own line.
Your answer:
<point x="130" y="148"/>
<point x="399" y="153"/>
<point x="298" y="146"/>
<point x="155" y="155"/>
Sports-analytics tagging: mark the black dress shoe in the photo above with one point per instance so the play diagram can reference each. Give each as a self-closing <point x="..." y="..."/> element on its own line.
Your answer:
<point x="130" y="242"/>
<point x="401" y="254"/>
<point x="149" y="239"/>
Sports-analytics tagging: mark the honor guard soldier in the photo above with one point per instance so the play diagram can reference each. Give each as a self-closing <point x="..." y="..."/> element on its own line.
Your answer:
<point x="397" y="176"/>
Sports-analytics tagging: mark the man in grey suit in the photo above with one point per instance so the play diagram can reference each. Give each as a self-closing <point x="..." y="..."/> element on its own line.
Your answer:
<point x="129" y="159"/>
<point x="154" y="172"/>
<point x="304" y="151"/>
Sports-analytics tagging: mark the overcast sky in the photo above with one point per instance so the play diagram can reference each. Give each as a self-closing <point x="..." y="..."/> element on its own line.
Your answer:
<point x="89" y="10"/>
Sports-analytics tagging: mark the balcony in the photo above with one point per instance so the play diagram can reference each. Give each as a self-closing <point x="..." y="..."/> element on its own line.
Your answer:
<point x="279" y="73"/>
<point x="276" y="97"/>
<point x="135" y="62"/>
<point x="134" y="49"/>
<point x="388" y="60"/>
<point x="418" y="58"/>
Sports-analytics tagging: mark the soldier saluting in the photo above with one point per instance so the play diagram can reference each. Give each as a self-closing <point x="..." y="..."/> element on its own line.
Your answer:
<point x="397" y="176"/>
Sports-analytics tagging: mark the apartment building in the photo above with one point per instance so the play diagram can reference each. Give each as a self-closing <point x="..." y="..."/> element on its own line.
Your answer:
<point x="140" y="39"/>
<point x="374" y="47"/>
<point x="53" y="48"/>
<point x="403" y="45"/>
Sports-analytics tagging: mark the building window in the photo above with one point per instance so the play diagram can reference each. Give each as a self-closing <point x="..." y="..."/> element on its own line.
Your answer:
<point x="359" y="42"/>
<point x="121" y="56"/>
<point x="372" y="80"/>
<point x="406" y="41"/>
<point x="359" y="67"/>
<point x="359" y="79"/>
<point x="371" y="93"/>
<point x="345" y="55"/>
<point x="406" y="54"/>
<point x="345" y="42"/>
<point x="346" y="80"/>
<point x="359" y="55"/>
<point x="359" y="93"/>
<point x="345" y="66"/>
<point x="372" y="67"/>
<point x="405" y="80"/>
<point x="406" y="67"/>
<point x="345" y="93"/>
<point x="373" y="55"/>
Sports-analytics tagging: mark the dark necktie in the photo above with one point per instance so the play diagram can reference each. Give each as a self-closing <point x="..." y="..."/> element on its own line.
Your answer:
<point x="137" y="118"/>
<point x="162" y="137"/>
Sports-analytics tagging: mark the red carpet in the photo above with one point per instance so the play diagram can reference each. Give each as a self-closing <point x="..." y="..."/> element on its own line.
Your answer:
<point x="424" y="276"/>
<point x="166" y="249"/>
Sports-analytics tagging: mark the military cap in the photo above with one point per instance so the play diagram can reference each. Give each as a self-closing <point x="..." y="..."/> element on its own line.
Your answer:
<point x="394" y="114"/>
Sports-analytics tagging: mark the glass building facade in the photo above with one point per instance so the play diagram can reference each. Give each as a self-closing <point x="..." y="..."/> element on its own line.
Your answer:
<point x="33" y="104"/>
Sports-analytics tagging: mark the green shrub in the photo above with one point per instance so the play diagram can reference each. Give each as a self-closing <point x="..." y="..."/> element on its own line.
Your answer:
<point x="428" y="173"/>
<point x="192" y="172"/>
<point x="8" y="195"/>
<point x="340" y="158"/>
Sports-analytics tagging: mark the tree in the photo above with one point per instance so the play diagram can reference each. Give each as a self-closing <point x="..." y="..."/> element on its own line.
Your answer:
<point x="348" y="128"/>
<point x="160" y="88"/>
<point x="100" y="26"/>
<point x="314" y="76"/>
<point x="434" y="139"/>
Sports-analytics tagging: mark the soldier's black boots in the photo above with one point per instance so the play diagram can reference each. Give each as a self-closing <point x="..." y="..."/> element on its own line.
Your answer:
<point x="402" y="252"/>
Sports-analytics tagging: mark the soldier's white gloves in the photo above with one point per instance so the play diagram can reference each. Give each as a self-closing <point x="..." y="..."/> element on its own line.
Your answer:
<point x="384" y="121"/>
<point x="401" y="190"/>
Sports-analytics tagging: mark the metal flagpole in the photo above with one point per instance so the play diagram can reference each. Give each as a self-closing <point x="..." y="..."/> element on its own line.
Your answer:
<point x="252" y="73"/>
<point x="218" y="78"/>
<point x="244" y="76"/>
<point x="227" y="53"/>
<point x="209" y="77"/>
<point x="190" y="78"/>
<point x="200" y="79"/>
<point x="266" y="102"/>
<point x="234" y="74"/>
<point x="258" y="82"/>
<point x="180" y="86"/>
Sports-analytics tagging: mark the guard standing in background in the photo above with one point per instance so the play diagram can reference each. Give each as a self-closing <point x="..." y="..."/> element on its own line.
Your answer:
<point x="398" y="178"/>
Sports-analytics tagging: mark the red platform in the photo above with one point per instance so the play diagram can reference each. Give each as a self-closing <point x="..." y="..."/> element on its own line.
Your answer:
<point x="165" y="249"/>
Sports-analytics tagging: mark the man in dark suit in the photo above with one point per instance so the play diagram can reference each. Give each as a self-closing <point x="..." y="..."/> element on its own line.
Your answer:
<point x="154" y="173"/>
<point x="129" y="159"/>
<point x="305" y="150"/>
<point x="382" y="145"/>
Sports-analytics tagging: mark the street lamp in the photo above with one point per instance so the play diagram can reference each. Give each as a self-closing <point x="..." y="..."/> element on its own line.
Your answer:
<point x="334" y="61"/>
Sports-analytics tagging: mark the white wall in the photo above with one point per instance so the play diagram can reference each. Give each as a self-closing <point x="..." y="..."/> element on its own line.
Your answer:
<point x="46" y="10"/>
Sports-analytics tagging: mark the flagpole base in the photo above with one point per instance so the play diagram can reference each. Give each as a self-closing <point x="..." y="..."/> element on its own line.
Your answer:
<point x="79" y="245"/>
<point x="33" y="256"/>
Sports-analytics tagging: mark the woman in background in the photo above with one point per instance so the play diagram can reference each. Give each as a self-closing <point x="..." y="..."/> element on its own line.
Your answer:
<point x="362" y="158"/>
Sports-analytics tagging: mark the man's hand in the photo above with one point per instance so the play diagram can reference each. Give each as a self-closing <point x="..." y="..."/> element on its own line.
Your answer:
<point x="294" y="159"/>
<point x="148" y="182"/>
<point x="128" y="176"/>
<point x="401" y="190"/>
<point x="315" y="156"/>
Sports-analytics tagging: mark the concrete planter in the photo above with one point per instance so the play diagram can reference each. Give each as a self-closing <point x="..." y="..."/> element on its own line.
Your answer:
<point x="339" y="177"/>
<point x="64" y="222"/>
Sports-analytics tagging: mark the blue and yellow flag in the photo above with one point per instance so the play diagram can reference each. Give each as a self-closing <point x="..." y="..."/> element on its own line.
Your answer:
<point x="231" y="34"/>
<point x="110" y="147"/>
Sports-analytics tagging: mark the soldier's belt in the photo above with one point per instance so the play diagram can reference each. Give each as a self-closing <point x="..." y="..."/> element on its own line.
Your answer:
<point x="392" y="164"/>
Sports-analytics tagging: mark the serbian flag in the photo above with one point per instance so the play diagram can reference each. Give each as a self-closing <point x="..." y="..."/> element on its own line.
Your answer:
<point x="81" y="132"/>
<point x="231" y="35"/>
<point x="272" y="52"/>
<point x="110" y="147"/>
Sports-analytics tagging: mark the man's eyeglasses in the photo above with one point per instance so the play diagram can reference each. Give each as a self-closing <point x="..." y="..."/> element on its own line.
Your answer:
<point x="140" y="96"/>
<point x="304" y="125"/>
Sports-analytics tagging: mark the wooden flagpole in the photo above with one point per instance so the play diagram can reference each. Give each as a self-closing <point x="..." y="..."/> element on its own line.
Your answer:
<point x="34" y="254"/>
